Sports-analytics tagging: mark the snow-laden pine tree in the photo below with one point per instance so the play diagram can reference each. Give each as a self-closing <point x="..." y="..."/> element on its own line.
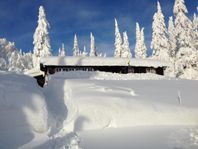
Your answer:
<point x="15" y="62"/>
<point x="126" y="52"/>
<point x="92" y="46"/>
<point x="6" y="49"/>
<point x="144" y="49"/>
<point x="195" y="21"/>
<point x="76" y="51"/>
<point x="27" y="61"/>
<point x="12" y="59"/>
<point x="61" y="51"/>
<point x="170" y="71"/>
<point x="84" y="53"/>
<point x="195" y="27"/>
<point x="172" y="38"/>
<point x="118" y="41"/>
<point x="3" y="64"/>
<point x="140" y="47"/>
<point x="186" y="57"/>
<point x="42" y="47"/>
<point x="159" y="43"/>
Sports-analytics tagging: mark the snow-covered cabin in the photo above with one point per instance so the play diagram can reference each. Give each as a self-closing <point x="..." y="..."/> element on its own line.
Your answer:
<point x="51" y="65"/>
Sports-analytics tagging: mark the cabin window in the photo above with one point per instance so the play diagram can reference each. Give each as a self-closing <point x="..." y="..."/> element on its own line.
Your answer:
<point x="151" y="70"/>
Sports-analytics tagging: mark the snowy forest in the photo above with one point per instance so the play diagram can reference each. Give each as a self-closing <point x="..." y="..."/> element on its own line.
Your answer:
<point x="175" y="42"/>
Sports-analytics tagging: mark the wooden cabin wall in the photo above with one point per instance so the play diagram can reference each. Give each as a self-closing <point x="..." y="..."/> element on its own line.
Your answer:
<point x="113" y="69"/>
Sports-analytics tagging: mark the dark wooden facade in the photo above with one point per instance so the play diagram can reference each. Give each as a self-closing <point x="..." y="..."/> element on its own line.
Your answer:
<point x="50" y="69"/>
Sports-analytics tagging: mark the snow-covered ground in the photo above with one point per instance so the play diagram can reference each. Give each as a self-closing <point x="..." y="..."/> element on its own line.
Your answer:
<point x="98" y="111"/>
<point x="23" y="110"/>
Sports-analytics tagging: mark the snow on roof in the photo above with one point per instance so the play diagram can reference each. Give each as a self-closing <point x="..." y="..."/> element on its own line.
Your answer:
<point x="100" y="61"/>
<point x="34" y="72"/>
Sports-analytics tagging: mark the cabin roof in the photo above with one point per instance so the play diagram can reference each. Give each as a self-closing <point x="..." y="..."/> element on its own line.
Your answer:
<point x="34" y="72"/>
<point x="100" y="61"/>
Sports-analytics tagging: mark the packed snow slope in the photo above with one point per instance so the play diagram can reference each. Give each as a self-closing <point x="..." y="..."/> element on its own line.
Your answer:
<point x="23" y="110"/>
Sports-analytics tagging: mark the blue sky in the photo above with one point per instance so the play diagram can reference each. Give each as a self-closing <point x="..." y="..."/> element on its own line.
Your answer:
<point x="67" y="17"/>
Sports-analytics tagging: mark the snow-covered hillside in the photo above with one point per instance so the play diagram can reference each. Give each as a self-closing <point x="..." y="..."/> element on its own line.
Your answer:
<point x="92" y="113"/>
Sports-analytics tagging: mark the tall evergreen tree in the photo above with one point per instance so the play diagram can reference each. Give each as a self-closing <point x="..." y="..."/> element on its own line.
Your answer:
<point x="118" y="41"/>
<point x="92" y="46"/>
<point x="159" y="43"/>
<point x="84" y="53"/>
<point x="6" y="49"/>
<point x="41" y="41"/>
<point x="126" y="52"/>
<point x="195" y="27"/>
<point x="170" y="71"/>
<point x="144" y="49"/>
<point x="172" y="38"/>
<point x="61" y="51"/>
<point x="186" y="57"/>
<point x="138" y="41"/>
<point x="76" y="51"/>
<point x="15" y="62"/>
<point x="140" y="48"/>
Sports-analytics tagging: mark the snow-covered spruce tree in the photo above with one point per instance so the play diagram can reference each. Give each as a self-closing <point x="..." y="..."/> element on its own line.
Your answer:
<point x="118" y="41"/>
<point x="84" y="53"/>
<point x="196" y="37"/>
<point x="195" y="27"/>
<point x="27" y="61"/>
<point x="12" y="59"/>
<point x="170" y="71"/>
<point x="195" y="21"/>
<point x="76" y="51"/>
<point x="61" y="51"/>
<point x="144" y="49"/>
<point x="138" y="41"/>
<point x="3" y="64"/>
<point x="92" y="46"/>
<point x="41" y="41"/>
<point x="172" y="38"/>
<point x="159" y="43"/>
<point x="186" y="56"/>
<point x="15" y="62"/>
<point x="100" y="55"/>
<point x="140" y="48"/>
<point x="6" y="49"/>
<point x="126" y="52"/>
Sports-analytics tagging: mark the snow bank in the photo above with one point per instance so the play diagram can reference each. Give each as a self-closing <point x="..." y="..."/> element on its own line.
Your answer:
<point x="23" y="110"/>
<point x="116" y="104"/>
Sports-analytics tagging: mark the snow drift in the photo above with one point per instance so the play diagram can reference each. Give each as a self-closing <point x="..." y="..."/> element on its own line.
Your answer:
<point x="23" y="110"/>
<point x="97" y="104"/>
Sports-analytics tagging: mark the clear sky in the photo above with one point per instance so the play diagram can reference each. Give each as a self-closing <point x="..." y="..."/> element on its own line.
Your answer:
<point x="18" y="20"/>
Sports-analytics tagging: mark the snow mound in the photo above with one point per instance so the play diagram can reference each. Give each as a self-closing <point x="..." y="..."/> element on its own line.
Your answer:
<point x="23" y="110"/>
<point x="97" y="75"/>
